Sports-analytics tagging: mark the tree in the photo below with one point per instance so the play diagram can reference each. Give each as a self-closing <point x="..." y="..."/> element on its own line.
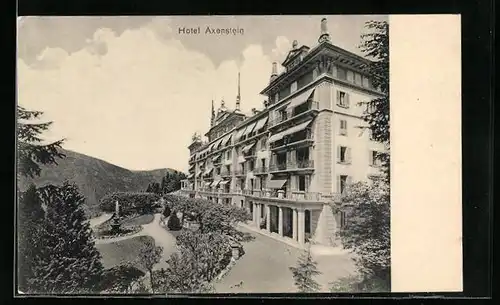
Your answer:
<point x="148" y="257"/>
<point x="68" y="261"/>
<point x="30" y="217"/>
<point x="304" y="272"/>
<point x="375" y="45"/>
<point x="173" y="222"/>
<point x="179" y="277"/>
<point x="31" y="153"/>
<point x="367" y="231"/>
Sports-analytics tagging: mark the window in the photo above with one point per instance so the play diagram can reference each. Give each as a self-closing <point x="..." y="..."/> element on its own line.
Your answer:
<point x="217" y="171"/>
<point x="374" y="158"/>
<point x="263" y="163"/>
<point x="263" y="144"/>
<point x="343" y="180"/>
<point x="366" y="82"/>
<point x="250" y="165"/>
<point x="357" y="79"/>
<point x="302" y="183"/>
<point x="343" y="155"/>
<point x="262" y="183"/>
<point x="341" y="73"/>
<point x="342" y="99"/>
<point x="350" y="76"/>
<point x="315" y="73"/>
<point x="343" y="219"/>
<point x="343" y="127"/>
<point x="276" y="97"/>
<point x="283" y="115"/>
<point x="293" y="87"/>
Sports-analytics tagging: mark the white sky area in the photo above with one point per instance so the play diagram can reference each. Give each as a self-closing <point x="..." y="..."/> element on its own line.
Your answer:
<point x="135" y="96"/>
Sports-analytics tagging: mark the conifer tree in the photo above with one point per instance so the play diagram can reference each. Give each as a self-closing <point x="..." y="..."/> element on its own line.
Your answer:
<point x="304" y="273"/>
<point x="68" y="261"/>
<point x="30" y="216"/>
<point x="375" y="45"/>
<point x="31" y="153"/>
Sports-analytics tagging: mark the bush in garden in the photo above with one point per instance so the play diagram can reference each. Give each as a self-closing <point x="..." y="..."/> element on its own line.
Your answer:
<point x="167" y="211"/>
<point x="130" y="202"/>
<point x="367" y="229"/>
<point x="174" y="223"/>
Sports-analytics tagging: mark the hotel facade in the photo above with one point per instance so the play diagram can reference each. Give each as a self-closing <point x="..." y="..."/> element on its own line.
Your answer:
<point x="290" y="161"/>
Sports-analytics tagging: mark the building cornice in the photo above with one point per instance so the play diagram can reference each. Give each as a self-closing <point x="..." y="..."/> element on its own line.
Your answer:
<point x="341" y="56"/>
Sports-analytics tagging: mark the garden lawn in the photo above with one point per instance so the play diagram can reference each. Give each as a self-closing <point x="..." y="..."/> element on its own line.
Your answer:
<point x="125" y="251"/>
<point x="139" y="220"/>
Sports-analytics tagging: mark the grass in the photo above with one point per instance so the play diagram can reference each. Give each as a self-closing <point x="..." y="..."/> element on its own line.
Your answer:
<point x="122" y="252"/>
<point x="139" y="220"/>
<point x="356" y="283"/>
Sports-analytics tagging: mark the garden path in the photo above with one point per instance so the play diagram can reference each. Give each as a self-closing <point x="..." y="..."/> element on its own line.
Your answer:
<point x="161" y="236"/>
<point x="94" y="222"/>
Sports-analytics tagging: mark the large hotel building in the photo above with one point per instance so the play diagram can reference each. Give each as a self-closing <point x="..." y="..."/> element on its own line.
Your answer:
<point x="288" y="162"/>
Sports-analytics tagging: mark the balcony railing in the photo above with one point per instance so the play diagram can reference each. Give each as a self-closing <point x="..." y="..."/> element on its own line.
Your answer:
<point x="300" y="164"/>
<point x="295" y="139"/>
<point x="260" y="170"/>
<point x="290" y="115"/>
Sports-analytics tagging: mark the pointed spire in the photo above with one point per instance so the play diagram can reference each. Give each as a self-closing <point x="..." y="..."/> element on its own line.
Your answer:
<point x="325" y="36"/>
<point x="274" y="71"/>
<point x="212" y="118"/>
<point x="238" y="97"/>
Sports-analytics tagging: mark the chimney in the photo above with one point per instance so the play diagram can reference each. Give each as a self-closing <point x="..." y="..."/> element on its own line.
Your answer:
<point x="274" y="72"/>
<point x="212" y="118"/>
<point x="325" y="36"/>
<point x="238" y="97"/>
<point x="295" y="44"/>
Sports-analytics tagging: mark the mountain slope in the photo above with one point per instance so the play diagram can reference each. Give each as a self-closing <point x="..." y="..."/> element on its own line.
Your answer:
<point x="94" y="177"/>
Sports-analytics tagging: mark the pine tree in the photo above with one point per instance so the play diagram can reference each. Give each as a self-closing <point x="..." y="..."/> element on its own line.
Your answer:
<point x="375" y="45"/>
<point x="68" y="261"/>
<point x="31" y="152"/>
<point x="30" y="216"/>
<point x="304" y="272"/>
<point x="149" y="256"/>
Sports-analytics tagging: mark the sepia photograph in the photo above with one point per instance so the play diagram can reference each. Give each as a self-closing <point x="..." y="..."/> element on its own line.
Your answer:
<point x="203" y="154"/>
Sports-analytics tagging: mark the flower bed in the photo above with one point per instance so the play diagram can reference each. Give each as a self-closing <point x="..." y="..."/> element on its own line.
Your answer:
<point x="127" y="231"/>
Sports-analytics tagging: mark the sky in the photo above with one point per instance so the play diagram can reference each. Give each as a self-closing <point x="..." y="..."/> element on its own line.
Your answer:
<point x="133" y="90"/>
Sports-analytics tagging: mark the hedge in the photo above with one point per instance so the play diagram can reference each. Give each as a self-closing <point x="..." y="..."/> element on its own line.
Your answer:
<point x="130" y="202"/>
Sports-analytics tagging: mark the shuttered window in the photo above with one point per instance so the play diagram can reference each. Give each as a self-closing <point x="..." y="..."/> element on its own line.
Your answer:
<point x="343" y="127"/>
<point x="343" y="155"/>
<point x="342" y="99"/>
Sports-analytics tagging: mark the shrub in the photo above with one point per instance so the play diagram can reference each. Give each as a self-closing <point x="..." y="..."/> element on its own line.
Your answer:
<point x="304" y="273"/>
<point x="174" y="223"/>
<point x="367" y="230"/>
<point x="130" y="202"/>
<point x="167" y="211"/>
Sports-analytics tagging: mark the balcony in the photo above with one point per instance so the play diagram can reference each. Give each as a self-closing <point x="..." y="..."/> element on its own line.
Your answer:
<point x="292" y="166"/>
<point x="239" y="173"/>
<point x="300" y="139"/>
<point x="290" y="116"/>
<point x="260" y="171"/>
<point x="225" y="174"/>
<point x="291" y="196"/>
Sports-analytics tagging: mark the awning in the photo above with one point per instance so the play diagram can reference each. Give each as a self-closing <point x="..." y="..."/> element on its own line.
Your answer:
<point x="261" y="124"/>
<point x="239" y="134"/>
<point x="247" y="148"/>
<point x="198" y="175"/>
<point x="249" y="128"/>
<point x="208" y="183"/>
<point x="214" y="159"/>
<point x="208" y="171"/>
<point x="300" y="99"/>
<point x="228" y="162"/>
<point x="294" y="129"/>
<point x="190" y="176"/>
<point x="262" y="154"/>
<point x="241" y="159"/>
<point x="276" y="184"/>
<point x="224" y="182"/>
<point x="215" y="183"/>
<point x="191" y="168"/>
<point x="226" y="139"/>
<point x="211" y="147"/>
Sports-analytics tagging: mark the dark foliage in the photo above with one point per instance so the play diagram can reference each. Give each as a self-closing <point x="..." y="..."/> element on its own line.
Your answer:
<point x="174" y="223"/>
<point x="142" y="203"/>
<point x="68" y="261"/>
